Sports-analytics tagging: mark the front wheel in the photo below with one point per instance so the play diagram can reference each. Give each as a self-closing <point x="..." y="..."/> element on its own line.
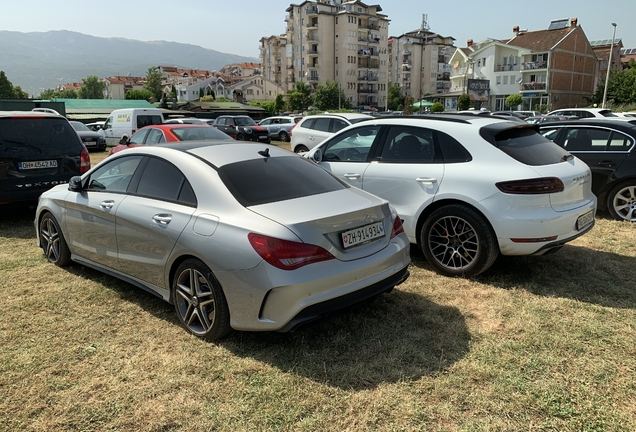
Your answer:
<point x="621" y="202"/>
<point x="458" y="241"/>
<point x="300" y="149"/>
<point x="52" y="241"/>
<point x="199" y="301"/>
<point x="240" y="137"/>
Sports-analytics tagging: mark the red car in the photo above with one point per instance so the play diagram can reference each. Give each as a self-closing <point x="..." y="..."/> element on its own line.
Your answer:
<point x="165" y="133"/>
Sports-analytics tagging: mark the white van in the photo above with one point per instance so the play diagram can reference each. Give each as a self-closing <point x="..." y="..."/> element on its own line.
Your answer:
<point x="127" y="121"/>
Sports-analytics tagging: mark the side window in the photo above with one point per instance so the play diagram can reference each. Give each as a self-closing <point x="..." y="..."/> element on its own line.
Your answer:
<point x="114" y="176"/>
<point x="550" y="133"/>
<point x="162" y="180"/>
<point x="285" y="121"/>
<point x="352" y="146"/>
<point x="147" y="120"/>
<point x="452" y="150"/>
<point x="155" y="136"/>
<point x="109" y="123"/>
<point x="405" y="144"/>
<point x="620" y="142"/>
<point x="139" y="137"/>
<point x="600" y="138"/>
<point x="322" y="124"/>
<point x="308" y="124"/>
<point x="338" y="124"/>
<point x="266" y="122"/>
<point x="578" y="139"/>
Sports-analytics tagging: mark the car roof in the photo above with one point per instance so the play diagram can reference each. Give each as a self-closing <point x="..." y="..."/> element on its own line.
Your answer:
<point x="596" y="110"/>
<point x="31" y="114"/>
<point x="169" y="126"/>
<point x="341" y="115"/>
<point x="615" y="123"/>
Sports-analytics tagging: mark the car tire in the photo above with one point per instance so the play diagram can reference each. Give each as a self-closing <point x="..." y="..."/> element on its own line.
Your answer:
<point x="458" y="241"/>
<point x="52" y="241"/>
<point x="300" y="148"/>
<point x="621" y="201"/>
<point x="199" y="301"/>
<point x="240" y="137"/>
<point x="283" y="136"/>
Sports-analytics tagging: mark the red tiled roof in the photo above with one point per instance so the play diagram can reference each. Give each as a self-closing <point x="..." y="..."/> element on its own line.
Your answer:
<point x="539" y="40"/>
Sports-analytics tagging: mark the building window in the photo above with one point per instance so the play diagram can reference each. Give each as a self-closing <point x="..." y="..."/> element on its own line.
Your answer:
<point x="498" y="80"/>
<point x="505" y="79"/>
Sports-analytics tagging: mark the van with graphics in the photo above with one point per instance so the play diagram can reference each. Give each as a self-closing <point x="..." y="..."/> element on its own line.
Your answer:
<point x="127" y="121"/>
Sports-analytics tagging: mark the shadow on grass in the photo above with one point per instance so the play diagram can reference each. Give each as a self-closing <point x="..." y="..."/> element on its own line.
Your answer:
<point x="394" y="337"/>
<point x="17" y="223"/>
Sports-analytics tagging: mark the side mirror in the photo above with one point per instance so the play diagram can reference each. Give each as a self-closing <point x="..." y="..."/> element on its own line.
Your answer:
<point x="75" y="184"/>
<point x="317" y="156"/>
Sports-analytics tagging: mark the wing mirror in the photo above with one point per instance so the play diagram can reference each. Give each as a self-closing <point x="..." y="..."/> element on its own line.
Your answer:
<point x="75" y="184"/>
<point x="317" y="155"/>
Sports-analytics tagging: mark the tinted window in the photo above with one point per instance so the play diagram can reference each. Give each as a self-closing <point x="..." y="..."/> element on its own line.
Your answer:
<point x="190" y="134"/>
<point x="620" y="142"/>
<point x="529" y="147"/>
<point x="161" y="180"/>
<point x="322" y="124"/>
<point x="308" y="124"/>
<point x="79" y="126"/>
<point x="244" y="121"/>
<point x="26" y="138"/>
<point x="405" y="144"/>
<point x="338" y="124"/>
<point x="147" y="120"/>
<point x="139" y="137"/>
<point x="452" y="150"/>
<point x="353" y="145"/>
<point x="266" y="180"/>
<point x="114" y="176"/>
<point x="155" y="136"/>
<point x="586" y="139"/>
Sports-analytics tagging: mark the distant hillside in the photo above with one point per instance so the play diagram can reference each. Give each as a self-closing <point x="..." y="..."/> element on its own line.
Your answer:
<point x="37" y="61"/>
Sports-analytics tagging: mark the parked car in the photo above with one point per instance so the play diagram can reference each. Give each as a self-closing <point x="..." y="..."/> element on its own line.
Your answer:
<point x="171" y="132"/>
<point x="583" y="112"/>
<point x="514" y="114"/>
<point x="279" y="126"/>
<point x="607" y="146"/>
<point x="241" y="128"/>
<point x="186" y="120"/>
<point x="313" y="129"/>
<point x="127" y="121"/>
<point x="527" y="114"/>
<point x="467" y="187"/>
<point x="38" y="150"/>
<point x="546" y="119"/>
<point x="92" y="140"/>
<point x="97" y="127"/>
<point x="236" y="236"/>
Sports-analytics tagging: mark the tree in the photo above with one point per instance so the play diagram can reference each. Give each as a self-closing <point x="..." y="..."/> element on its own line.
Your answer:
<point x="207" y="98"/>
<point x="18" y="93"/>
<point x="92" y="88"/>
<point x="266" y="105"/>
<point x="201" y="92"/>
<point x="329" y="96"/>
<point x="299" y="99"/>
<point x="621" y="87"/>
<point x="408" y="105"/>
<point x="153" y="82"/>
<point x="437" y="107"/>
<point x="514" y="100"/>
<point x="6" y="88"/>
<point x="279" y="103"/>
<point x="173" y="92"/>
<point x="394" y="99"/>
<point x="142" y="94"/>
<point x="463" y="102"/>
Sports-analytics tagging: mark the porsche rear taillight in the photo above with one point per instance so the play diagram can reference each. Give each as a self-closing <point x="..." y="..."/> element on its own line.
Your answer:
<point x="85" y="161"/>
<point x="537" y="186"/>
<point x="285" y="254"/>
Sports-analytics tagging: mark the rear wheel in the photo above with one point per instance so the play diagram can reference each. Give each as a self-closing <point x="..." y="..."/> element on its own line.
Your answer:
<point x="458" y="241"/>
<point x="300" y="148"/>
<point x="621" y="202"/>
<point x="199" y="301"/>
<point x="283" y="136"/>
<point x="52" y="241"/>
<point x="240" y="137"/>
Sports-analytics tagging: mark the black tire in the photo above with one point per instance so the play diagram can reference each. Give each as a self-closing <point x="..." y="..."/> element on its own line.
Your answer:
<point x="283" y="136"/>
<point x="621" y="201"/>
<point x="52" y="241"/>
<point x="458" y="241"/>
<point x="300" y="148"/>
<point x="199" y="301"/>
<point x="240" y="137"/>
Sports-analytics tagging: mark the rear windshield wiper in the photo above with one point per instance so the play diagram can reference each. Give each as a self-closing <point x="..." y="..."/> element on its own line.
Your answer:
<point x="22" y="143"/>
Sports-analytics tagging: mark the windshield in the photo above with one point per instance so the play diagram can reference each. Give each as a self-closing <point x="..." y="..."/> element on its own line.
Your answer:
<point x="79" y="126"/>
<point x="48" y="135"/>
<point x="245" y="121"/>
<point x="202" y="133"/>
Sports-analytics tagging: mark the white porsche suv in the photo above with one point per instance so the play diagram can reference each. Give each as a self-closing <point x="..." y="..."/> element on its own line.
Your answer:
<point x="468" y="188"/>
<point x="313" y="129"/>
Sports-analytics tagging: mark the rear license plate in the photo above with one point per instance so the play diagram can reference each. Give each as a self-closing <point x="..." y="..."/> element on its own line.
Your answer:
<point x="362" y="234"/>
<point x="37" y="164"/>
<point x="584" y="220"/>
<point x="90" y="143"/>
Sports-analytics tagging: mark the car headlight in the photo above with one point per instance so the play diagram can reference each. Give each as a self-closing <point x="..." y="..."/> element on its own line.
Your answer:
<point x="248" y="131"/>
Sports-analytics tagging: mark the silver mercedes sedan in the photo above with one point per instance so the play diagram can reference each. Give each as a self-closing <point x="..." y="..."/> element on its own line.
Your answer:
<point x="235" y="235"/>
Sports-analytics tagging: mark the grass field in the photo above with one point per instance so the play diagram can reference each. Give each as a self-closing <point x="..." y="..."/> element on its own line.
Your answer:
<point x="534" y="344"/>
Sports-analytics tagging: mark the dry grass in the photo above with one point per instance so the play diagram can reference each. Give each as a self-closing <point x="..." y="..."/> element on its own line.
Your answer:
<point x="543" y="343"/>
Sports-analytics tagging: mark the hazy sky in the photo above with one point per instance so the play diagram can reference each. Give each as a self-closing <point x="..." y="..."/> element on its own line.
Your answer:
<point x="236" y="26"/>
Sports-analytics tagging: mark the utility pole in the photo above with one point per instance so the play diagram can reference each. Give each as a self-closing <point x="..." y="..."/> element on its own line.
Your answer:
<point x="609" y="66"/>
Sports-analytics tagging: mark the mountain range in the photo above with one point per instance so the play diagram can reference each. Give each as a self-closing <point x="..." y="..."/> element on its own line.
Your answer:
<point x="41" y="60"/>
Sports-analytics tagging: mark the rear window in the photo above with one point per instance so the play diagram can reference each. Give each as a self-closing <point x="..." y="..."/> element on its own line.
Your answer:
<point x="147" y="120"/>
<point x="38" y="136"/>
<point x="267" y="180"/>
<point x="194" y="134"/>
<point x="529" y="147"/>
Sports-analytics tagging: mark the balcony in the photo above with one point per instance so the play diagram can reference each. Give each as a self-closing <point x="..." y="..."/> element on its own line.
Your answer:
<point x="533" y="65"/>
<point x="314" y="65"/>
<point x="311" y="10"/>
<point x="370" y="26"/>
<point x="312" y="78"/>
<point x="507" y="67"/>
<point x="313" y="24"/>
<point x="534" y="86"/>
<point x="313" y="52"/>
<point x="363" y="78"/>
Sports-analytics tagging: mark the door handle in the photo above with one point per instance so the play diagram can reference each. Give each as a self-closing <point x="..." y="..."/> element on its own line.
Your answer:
<point x="427" y="180"/>
<point x="107" y="205"/>
<point x="162" y="219"/>
<point x="352" y="176"/>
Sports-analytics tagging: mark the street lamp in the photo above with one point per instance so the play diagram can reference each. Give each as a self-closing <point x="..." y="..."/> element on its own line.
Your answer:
<point x="609" y="65"/>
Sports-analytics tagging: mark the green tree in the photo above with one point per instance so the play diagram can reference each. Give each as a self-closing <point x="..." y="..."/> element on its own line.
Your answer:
<point x="153" y="82"/>
<point x="92" y="88"/>
<point x="329" y="96"/>
<point x="67" y="94"/>
<point x="408" y="105"/>
<point x="514" y="100"/>
<point x="18" y="93"/>
<point x="621" y="87"/>
<point x="6" y="88"/>
<point x="207" y="98"/>
<point x="437" y="107"/>
<point x="201" y="92"/>
<point x="279" y="103"/>
<point x="142" y="94"/>
<point x="463" y="102"/>
<point x="394" y="99"/>
<point x="266" y="105"/>
<point x="299" y="99"/>
<point x="173" y="92"/>
<point x="47" y="94"/>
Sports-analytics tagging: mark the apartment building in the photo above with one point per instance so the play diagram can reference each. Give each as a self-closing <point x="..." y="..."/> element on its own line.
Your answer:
<point x="342" y="41"/>
<point x="272" y="54"/>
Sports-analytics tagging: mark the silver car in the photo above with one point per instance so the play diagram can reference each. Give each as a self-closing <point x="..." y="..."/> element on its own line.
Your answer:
<point x="236" y="236"/>
<point x="278" y="127"/>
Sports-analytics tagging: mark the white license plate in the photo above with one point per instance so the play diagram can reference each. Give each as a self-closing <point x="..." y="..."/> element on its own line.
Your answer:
<point x="362" y="234"/>
<point x="37" y="164"/>
<point x="90" y="143"/>
<point x="263" y="137"/>
<point x="584" y="220"/>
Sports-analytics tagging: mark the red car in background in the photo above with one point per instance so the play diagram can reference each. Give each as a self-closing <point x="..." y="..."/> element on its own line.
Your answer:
<point x="166" y="133"/>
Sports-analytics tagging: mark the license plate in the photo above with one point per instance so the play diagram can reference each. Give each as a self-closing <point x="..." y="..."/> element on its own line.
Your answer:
<point x="263" y="137"/>
<point x="90" y="143"/>
<point x="37" y="164"/>
<point x="584" y="220"/>
<point x="362" y="234"/>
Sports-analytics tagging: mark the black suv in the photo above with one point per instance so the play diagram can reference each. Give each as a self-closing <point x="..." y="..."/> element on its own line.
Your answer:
<point x="38" y="150"/>
<point x="241" y="128"/>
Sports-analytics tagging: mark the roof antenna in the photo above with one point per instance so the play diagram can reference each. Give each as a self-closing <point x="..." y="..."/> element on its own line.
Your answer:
<point x="264" y="152"/>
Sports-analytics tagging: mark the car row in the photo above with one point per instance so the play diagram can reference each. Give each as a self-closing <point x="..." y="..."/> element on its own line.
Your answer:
<point x="313" y="129"/>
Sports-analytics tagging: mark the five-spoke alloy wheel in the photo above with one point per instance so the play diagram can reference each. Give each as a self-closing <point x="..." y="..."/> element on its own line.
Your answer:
<point x="52" y="241"/>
